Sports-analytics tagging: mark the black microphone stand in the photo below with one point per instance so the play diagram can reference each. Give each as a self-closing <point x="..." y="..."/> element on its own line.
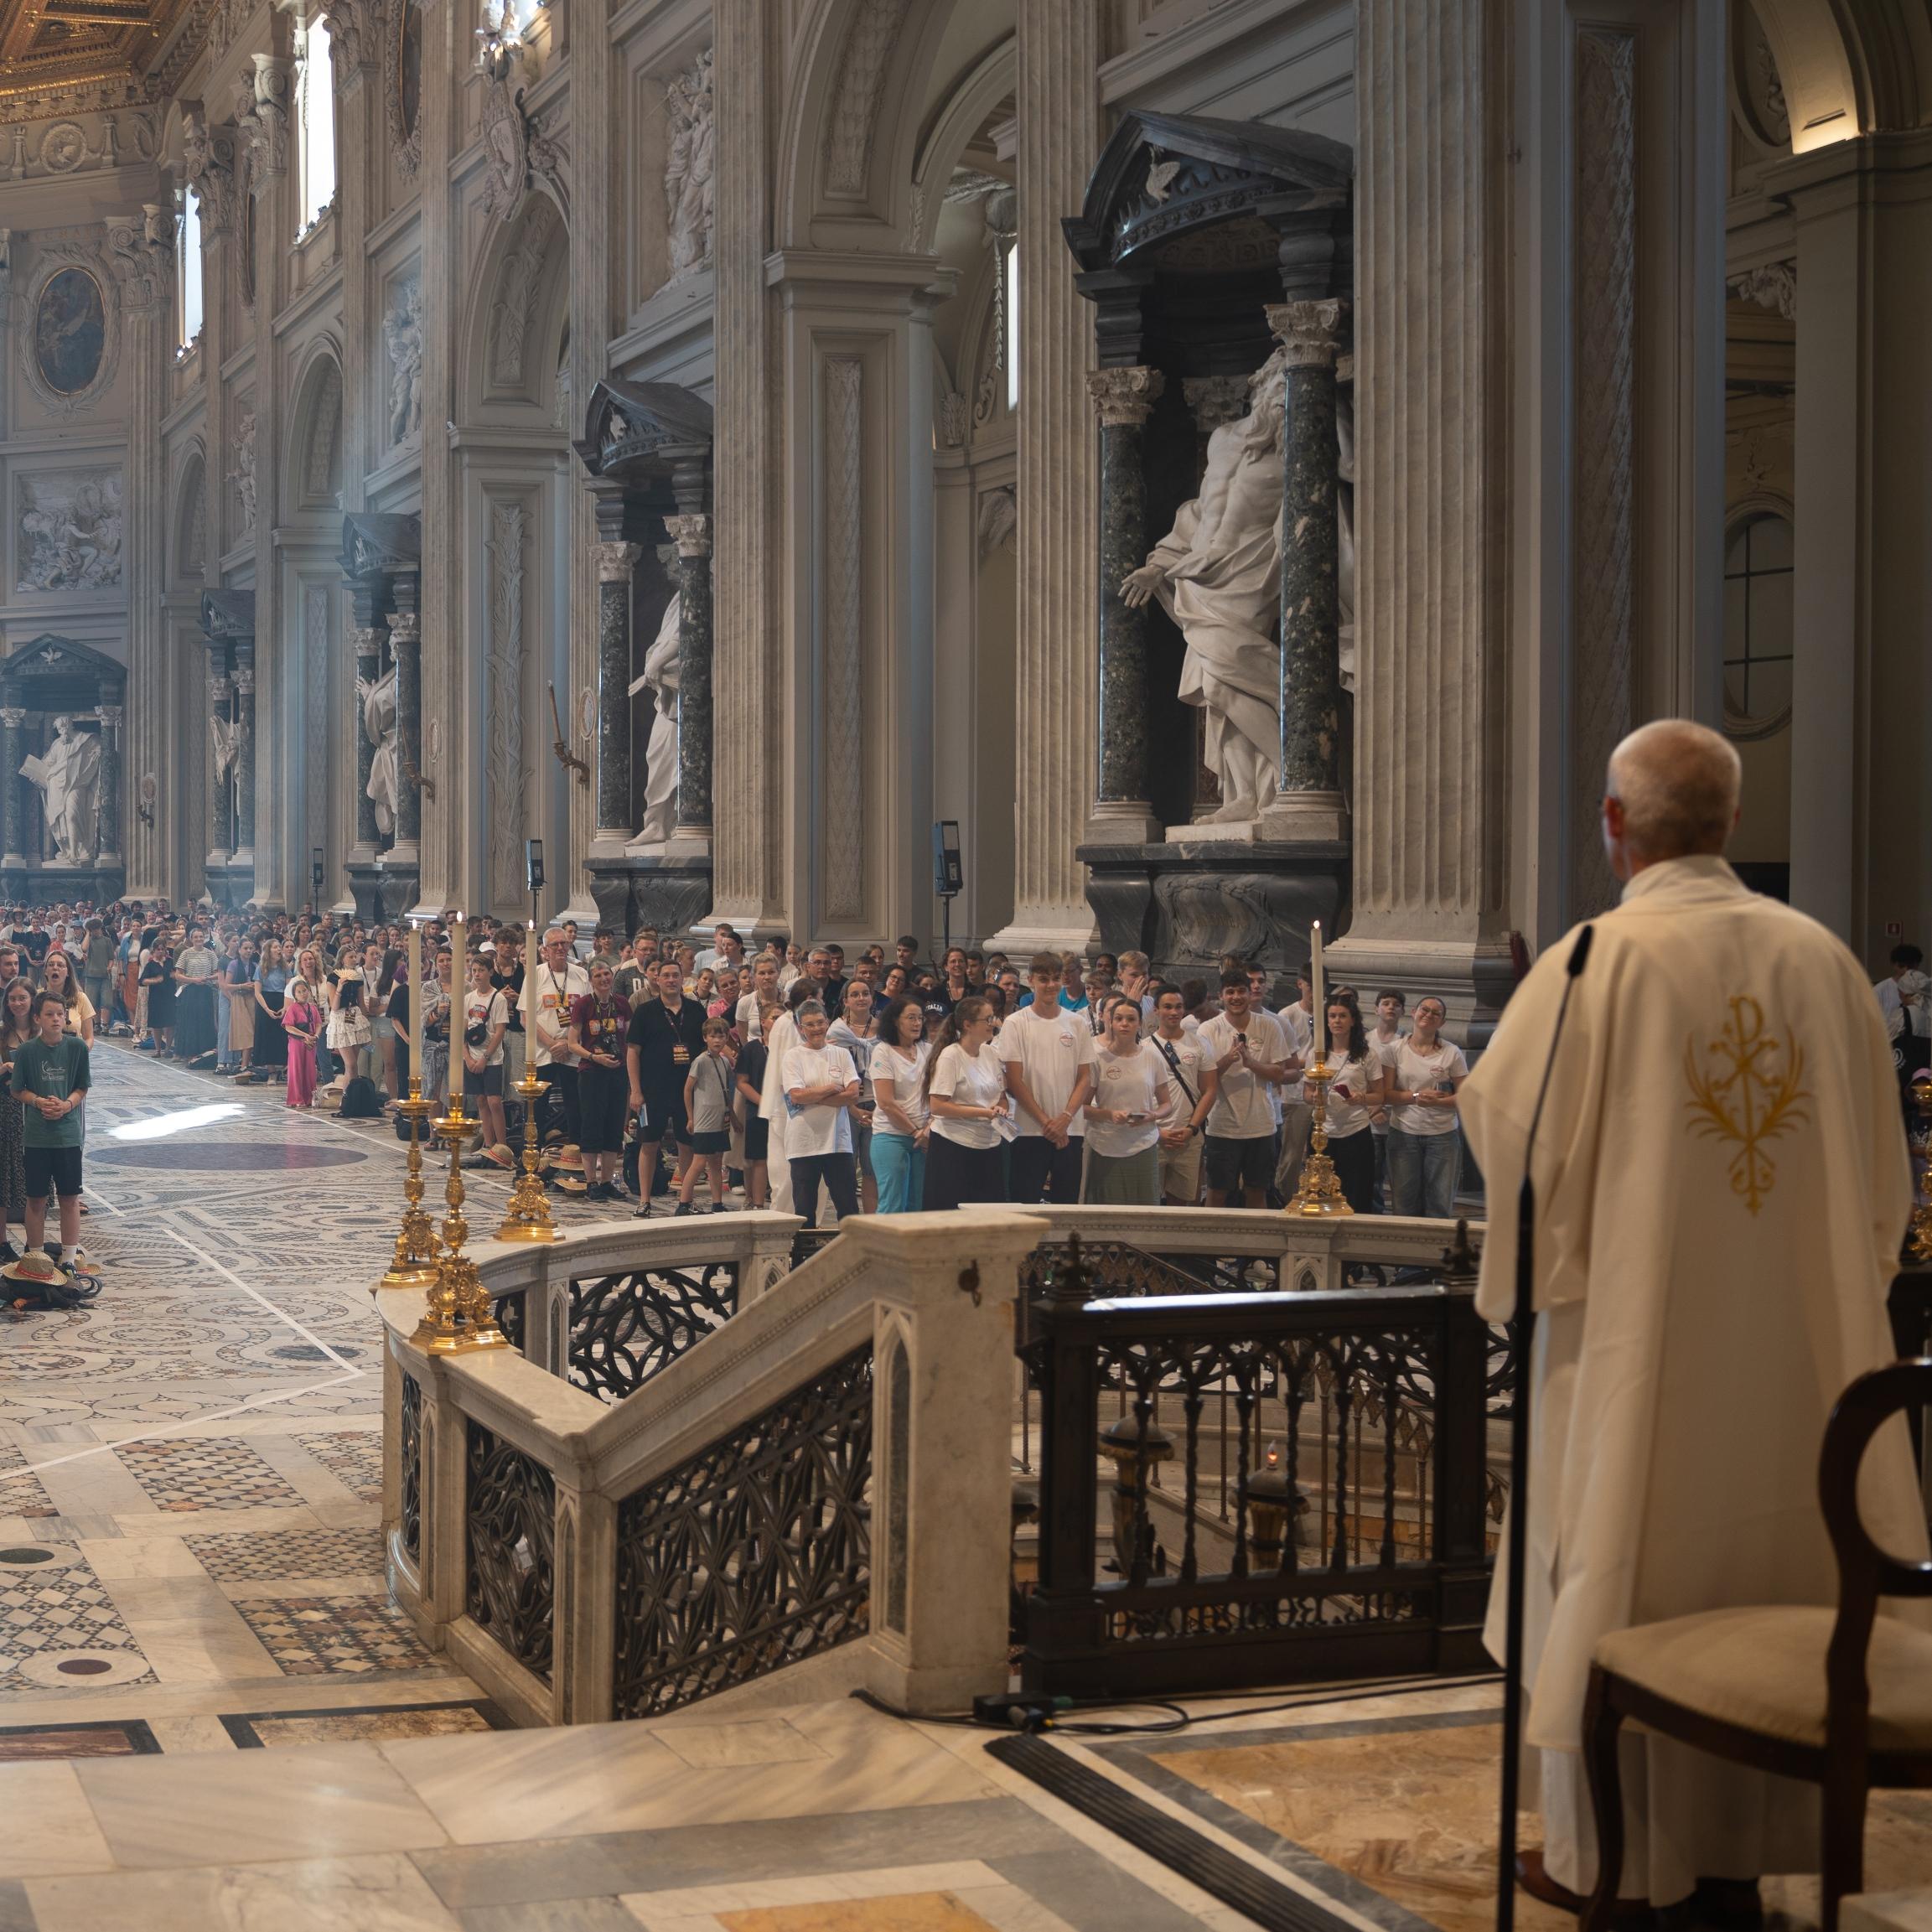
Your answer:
<point x="1522" y="1325"/>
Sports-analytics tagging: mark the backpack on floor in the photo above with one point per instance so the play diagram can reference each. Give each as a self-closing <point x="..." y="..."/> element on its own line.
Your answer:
<point x="361" y="1100"/>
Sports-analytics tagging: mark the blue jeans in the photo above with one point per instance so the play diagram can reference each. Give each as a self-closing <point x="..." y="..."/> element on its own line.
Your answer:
<point x="898" y="1165"/>
<point x="1422" y="1172"/>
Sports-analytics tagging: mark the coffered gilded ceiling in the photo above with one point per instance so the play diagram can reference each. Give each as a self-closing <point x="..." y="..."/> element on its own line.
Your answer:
<point x="58" y="56"/>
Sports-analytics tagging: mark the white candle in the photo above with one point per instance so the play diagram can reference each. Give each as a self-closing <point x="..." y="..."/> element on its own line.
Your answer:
<point x="458" y="1005"/>
<point x="418" y="998"/>
<point x="529" y="1003"/>
<point x="1321" y="1026"/>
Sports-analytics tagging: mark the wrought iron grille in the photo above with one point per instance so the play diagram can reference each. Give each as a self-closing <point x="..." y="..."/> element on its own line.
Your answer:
<point x="511" y="1317"/>
<point x="807" y="1242"/>
<point x="753" y="1555"/>
<point x="409" y="1452"/>
<point x="625" y="1327"/>
<point x="1310" y="1466"/>
<point x="511" y="1585"/>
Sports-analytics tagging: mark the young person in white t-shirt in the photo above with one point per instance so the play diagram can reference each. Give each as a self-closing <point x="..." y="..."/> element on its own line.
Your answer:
<point x="1425" y="1143"/>
<point x="1354" y="1094"/>
<point x="820" y="1087"/>
<point x="1179" y="1046"/>
<point x="1049" y="1056"/>
<point x="1385" y="1036"/>
<point x="1297" y="1021"/>
<point x="901" y="1122"/>
<point x="1132" y="1098"/>
<point x="1243" y="1054"/>
<point x="971" y="1114"/>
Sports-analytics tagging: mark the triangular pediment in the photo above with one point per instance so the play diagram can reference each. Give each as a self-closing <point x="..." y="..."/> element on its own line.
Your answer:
<point x="51" y="656"/>
<point x="1161" y="176"/>
<point x="228" y="613"/>
<point x="380" y="544"/>
<point x="636" y="425"/>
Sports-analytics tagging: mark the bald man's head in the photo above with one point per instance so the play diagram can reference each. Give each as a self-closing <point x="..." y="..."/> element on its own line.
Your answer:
<point x="1672" y="791"/>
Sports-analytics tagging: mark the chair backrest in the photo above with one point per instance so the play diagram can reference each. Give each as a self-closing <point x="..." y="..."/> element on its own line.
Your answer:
<point x="1866" y="1571"/>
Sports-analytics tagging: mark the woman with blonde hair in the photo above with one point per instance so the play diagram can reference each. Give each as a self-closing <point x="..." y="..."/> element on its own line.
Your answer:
<point x="302" y="1021"/>
<point x="57" y="976"/>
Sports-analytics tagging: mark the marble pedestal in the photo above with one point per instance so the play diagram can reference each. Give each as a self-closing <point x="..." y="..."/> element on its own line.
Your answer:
<point x="671" y="892"/>
<point x="230" y="881"/>
<point x="381" y="891"/>
<point x="1187" y="902"/>
<point x="63" y="884"/>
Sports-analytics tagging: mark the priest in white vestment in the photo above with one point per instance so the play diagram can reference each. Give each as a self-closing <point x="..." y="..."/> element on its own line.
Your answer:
<point x="771" y="1109"/>
<point x="1721" y="1186"/>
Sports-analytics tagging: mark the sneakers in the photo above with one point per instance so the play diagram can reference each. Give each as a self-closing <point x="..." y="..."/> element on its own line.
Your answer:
<point x="682" y="1209"/>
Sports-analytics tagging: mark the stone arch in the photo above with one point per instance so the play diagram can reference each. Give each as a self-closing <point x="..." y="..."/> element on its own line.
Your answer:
<point x="314" y="481"/>
<point x="187" y="547"/>
<point x="517" y="309"/>
<point x="1850" y="67"/>
<point x="990" y="81"/>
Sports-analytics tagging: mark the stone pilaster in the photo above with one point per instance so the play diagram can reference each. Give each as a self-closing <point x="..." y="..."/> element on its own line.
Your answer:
<point x="13" y="750"/>
<point x="220" y="786"/>
<point x="245" y="750"/>
<point x="368" y="639"/>
<point x="1054" y="699"/>
<point x="1123" y="399"/>
<point x="615" y="562"/>
<point x="1309" y="804"/>
<point x="112" y="716"/>
<point x="405" y="640"/>
<point x="691" y="533"/>
<point x="1430" y="600"/>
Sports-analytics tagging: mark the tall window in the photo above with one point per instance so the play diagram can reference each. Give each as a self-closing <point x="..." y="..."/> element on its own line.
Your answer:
<point x="188" y="284"/>
<point x="315" y="125"/>
<point x="1758" y="622"/>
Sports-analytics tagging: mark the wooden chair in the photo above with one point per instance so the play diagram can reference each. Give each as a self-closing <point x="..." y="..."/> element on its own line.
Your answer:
<point x="1842" y="1700"/>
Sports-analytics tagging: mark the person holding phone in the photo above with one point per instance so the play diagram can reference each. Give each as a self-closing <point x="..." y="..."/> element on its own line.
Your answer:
<point x="1133" y="1095"/>
<point x="1425" y="1147"/>
<point x="1354" y="1095"/>
<point x="1244" y="1054"/>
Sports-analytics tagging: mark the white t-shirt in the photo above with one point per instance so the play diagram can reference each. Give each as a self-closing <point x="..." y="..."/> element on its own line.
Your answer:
<point x="1350" y="1114"/>
<point x="899" y="1077"/>
<point x="557" y="993"/>
<point x="1184" y="1072"/>
<point x="1299" y="1025"/>
<point x="747" y="1015"/>
<point x="1242" y="1110"/>
<point x="968" y="1080"/>
<point x="1414" y="1071"/>
<point x="817" y="1130"/>
<point x="1136" y="1082"/>
<point x="489" y="1010"/>
<point x="1385" y="1051"/>
<point x="1049" y="1046"/>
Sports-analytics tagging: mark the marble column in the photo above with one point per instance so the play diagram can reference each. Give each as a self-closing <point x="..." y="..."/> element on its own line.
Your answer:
<point x="1054" y="709"/>
<point x="615" y="562"/>
<point x="368" y="668"/>
<point x="1309" y="804"/>
<point x="12" y="751"/>
<point x="691" y="533"/>
<point x="405" y="640"/>
<point x="245" y="747"/>
<point x="113" y="714"/>
<point x="221" y="788"/>
<point x="1121" y="815"/>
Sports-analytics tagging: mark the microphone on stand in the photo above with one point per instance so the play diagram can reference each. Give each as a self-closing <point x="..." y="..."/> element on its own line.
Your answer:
<point x="1522" y="1321"/>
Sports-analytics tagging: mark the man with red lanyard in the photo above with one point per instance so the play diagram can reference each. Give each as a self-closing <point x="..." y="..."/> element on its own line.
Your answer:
<point x="561" y="983"/>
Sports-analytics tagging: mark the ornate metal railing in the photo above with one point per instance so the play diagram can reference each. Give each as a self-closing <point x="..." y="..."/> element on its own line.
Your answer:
<point x="409" y="1499"/>
<point x="626" y="1327"/>
<point x="1301" y="1488"/>
<point x="754" y="1554"/>
<point x="511" y="1577"/>
<point x="512" y="1315"/>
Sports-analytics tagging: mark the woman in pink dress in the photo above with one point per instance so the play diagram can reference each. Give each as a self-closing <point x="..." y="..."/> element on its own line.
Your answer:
<point x="302" y="1020"/>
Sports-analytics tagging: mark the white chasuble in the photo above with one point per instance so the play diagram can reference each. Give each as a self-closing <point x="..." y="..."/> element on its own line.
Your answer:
<point x="783" y="1037"/>
<point x="1722" y="1185"/>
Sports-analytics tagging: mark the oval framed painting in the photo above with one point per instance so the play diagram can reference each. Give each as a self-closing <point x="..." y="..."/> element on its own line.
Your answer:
<point x="409" y="66"/>
<point x="69" y="331"/>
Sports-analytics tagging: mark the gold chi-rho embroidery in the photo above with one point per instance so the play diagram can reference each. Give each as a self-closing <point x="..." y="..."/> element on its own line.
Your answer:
<point x="1747" y="1088"/>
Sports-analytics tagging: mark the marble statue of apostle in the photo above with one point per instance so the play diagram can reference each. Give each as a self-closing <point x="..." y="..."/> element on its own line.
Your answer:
<point x="1218" y="574"/>
<point x="385" y="774"/>
<point x="68" y="774"/>
<point x="660" y="677"/>
<point x="1722" y="1185"/>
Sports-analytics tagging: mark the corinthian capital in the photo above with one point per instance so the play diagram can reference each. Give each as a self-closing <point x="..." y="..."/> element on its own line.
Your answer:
<point x="1311" y="332"/>
<point x="690" y="533"/>
<point x="1125" y="397"/>
<point x="615" y="561"/>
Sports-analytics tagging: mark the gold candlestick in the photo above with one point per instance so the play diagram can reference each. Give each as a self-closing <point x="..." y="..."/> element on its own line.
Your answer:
<point x="529" y="1216"/>
<point x="1321" y="1189"/>
<point x="460" y="1315"/>
<point x="1921" y="1243"/>
<point x="414" y="1265"/>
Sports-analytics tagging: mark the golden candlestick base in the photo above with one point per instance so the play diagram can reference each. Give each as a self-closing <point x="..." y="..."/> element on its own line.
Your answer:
<point x="1921" y="1242"/>
<point x="1321" y="1189"/>
<point x="460" y="1315"/>
<point x="529" y="1216"/>
<point x="414" y="1265"/>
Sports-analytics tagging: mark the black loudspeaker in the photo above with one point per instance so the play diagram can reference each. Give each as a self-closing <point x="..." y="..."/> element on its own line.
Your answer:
<point x="533" y="864"/>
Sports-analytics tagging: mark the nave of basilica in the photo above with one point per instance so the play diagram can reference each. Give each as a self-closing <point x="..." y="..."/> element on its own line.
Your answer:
<point x="1195" y="503"/>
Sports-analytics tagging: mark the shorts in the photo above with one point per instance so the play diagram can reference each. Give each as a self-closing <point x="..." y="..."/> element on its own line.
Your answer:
<point x="55" y="1168"/>
<point x="1231" y="1164"/>
<point x="602" y="1105"/>
<point x="663" y="1116"/>
<point x="757" y="1138"/>
<point x="489" y="1084"/>
<point x="1181" y="1172"/>
<point x="717" y="1143"/>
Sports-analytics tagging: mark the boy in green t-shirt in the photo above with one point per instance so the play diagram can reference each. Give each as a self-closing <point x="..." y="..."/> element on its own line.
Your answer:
<point x="50" y="1075"/>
